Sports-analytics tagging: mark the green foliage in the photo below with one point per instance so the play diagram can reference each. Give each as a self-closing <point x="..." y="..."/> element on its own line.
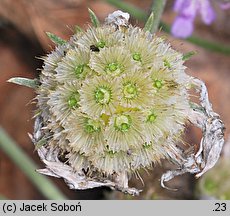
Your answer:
<point x="149" y="23"/>
<point x="42" y="183"/>
<point x="54" y="38"/>
<point x="31" y="83"/>
<point x="188" y="55"/>
<point x="95" y="21"/>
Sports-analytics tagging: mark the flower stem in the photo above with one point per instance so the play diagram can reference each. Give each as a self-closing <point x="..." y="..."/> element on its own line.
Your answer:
<point x="2" y="197"/>
<point x="141" y="15"/>
<point x="42" y="183"/>
<point x="157" y="9"/>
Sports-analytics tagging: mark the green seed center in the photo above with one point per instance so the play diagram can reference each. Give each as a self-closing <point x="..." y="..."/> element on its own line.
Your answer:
<point x="167" y="63"/>
<point x="111" y="153"/>
<point x="130" y="90"/>
<point x="100" y="44"/>
<point x="147" y="145"/>
<point x="79" y="69"/>
<point x="73" y="100"/>
<point x="92" y="126"/>
<point x="123" y="123"/>
<point x="151" y="118"/>
<point x="114" y="68"/>
<point x="158" y="84"/>
<point x="136" y="56"/>
<point x="103" y="95"/>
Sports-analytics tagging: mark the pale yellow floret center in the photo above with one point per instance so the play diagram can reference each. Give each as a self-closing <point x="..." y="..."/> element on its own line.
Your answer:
<point x="102" y="95"/>
<point x="158" y="83"/>
<point x="92" y="126"/>
<point x="136" y="56"/>
<point x="73" y="100"/>
<point x="123" y="123"/>
<point x="79" y="69"/>
<point x="151" y="117"/>
<point x="114" y="68"/>
<point x="130" y="90"/>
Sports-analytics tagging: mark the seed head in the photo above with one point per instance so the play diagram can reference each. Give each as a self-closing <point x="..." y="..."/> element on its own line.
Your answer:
<point x="114" y="96"/>
<point x="114" y="99"/>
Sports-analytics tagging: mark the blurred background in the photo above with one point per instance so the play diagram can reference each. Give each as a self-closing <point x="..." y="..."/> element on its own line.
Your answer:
<point x="23" y="24"/>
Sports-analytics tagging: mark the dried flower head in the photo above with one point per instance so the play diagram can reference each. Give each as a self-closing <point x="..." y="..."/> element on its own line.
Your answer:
<point x="114" y="99"/>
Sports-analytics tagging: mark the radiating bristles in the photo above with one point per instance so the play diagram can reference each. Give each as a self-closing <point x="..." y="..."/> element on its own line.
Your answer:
<point x="52" y="59"/>
<point x="47" y="79"/>
<point x="124" y="131"/>
<point x="113" y="61"/>
<point x="147" y="155"/>
<point x="110" y="162"/>
<point x="135" y="92"/>
<point x="64" y="99"/>
<point x="98" y="38"/>
<point x="141" y="48"/>
<point x="74" y="66"/>
<point x="85" y="134"/>
<point x="78" y="161"/>
<point x="99" y="96"/>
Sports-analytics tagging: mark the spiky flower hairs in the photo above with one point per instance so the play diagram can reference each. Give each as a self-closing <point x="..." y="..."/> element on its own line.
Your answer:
<point x="114" y="99"/>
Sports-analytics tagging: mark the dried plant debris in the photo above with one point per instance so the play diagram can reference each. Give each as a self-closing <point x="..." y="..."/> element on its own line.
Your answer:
<point x="113" y="100"/>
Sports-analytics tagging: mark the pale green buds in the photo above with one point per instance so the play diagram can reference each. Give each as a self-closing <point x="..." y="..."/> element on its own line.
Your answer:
<point x="73" y="100"/>
<point x="136" y="56"/>
<point x="91" y="126"/>
<point x="123" y="123"/>
<point x="130" y="90"/>
<point x="79" y="69"/>
<point x="103" y="95"/>
<point x="151" y="117"/>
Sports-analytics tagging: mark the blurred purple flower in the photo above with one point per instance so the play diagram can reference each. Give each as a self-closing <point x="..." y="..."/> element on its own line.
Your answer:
<point x="225" y="6"/>
<point x="187" y="11"/>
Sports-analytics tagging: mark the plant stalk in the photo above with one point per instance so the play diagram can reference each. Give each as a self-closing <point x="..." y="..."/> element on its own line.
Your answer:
<point x="157" y="9"/>
<point x="42" y="183"/>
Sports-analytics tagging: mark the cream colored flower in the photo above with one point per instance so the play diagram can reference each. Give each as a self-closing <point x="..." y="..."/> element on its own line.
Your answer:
<point x="141" y="47"/>
<point x="115" y="99"/>
<point x="98" y="38"/>
<point x="112" y="61"/>
<point x="99" y="96"/>
<point x="110" y="162"/>
<point x="74" y="66"/>
<point x="148" y="154"/>
<point x="64" y="99"/>
<point x="47" y="79"/>
<point x="78" y="161"/>
<point x="136" y="90"/>
<point x="124" y="131"/>
<point x="85" y="134"/>
<point x="159" y="122"/>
